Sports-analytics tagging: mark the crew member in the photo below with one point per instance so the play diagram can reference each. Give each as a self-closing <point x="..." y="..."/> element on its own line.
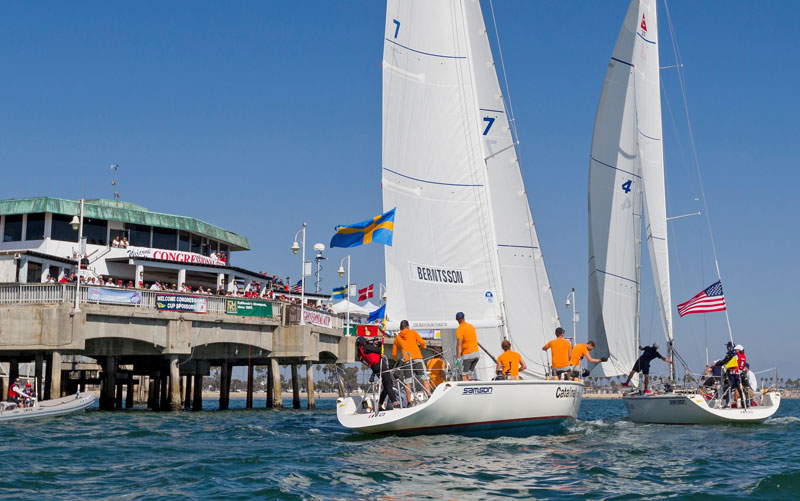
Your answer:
<point x="649" y="353"/>
<point x="580" y="351"/>
<point x="467" y="347"/>
<point x="15" y="393"/>
<point x="369" y="353"/>
<point x="509" y="363"/>
<point x="408" y="342"/>
<point x="735" y="368"/>
<point x="560" y="349"/>
<point x="714" y="379"/>
<point x="436" y="367"/>
<point x="750" y="382"/>
<point x="30" y="394"/>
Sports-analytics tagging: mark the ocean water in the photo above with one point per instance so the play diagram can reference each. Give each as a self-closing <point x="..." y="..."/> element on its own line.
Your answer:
<point x="269" y="454"/>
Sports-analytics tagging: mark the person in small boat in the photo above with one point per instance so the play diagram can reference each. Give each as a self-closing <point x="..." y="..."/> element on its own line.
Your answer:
<point x="408" y="343"/>
<point x="369" y="353"/>
<point x="578" y="353"/>
<point x="30" y="394"/>
<point x="649" y="353"/>
<point x="16" y="394"/>
<point x="509" y="363"/>
<point x="467" y="347"/>
<point x="560" y="350"/>
<point x="436" y="367"/>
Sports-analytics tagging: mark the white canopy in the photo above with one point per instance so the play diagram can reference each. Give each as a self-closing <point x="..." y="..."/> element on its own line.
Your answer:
<point x="341" y="307"/>
<point x="370" y="307"/>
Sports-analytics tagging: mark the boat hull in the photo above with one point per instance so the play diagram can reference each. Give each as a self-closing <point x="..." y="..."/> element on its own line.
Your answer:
<point x="693" y="409"/>
<point x="50" y="408"/>
<point x="473" y="407"/>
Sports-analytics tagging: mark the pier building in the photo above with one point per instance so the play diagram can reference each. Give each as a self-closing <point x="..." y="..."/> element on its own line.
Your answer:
<point x="130" y="338"/>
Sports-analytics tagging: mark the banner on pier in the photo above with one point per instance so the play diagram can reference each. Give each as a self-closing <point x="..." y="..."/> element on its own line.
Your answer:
<point x="114" y="296"/>
<point x="247" y="308"/>
<point x="317" y="318"/>
<point x="176" y="302"/>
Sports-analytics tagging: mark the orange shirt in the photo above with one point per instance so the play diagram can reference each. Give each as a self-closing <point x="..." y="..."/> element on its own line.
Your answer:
<point x="469" y="338"/>
<point x="578" y="353"/>
<point x="436" y="371"/>
<point x="510" y="361"/>
<point x="559" y="350"/>
<point x="408" y="341"/>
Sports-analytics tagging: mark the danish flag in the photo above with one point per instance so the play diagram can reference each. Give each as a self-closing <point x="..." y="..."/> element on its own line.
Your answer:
<point x="644" y="25"/>
<point x="365" y="293"/>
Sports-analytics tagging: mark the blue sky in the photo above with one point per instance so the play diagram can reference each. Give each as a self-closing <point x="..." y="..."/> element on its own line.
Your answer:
<point x="257" y="116"/>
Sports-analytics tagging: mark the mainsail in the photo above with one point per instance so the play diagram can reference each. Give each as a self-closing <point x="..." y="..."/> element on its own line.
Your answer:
<point x="626" y="178"/>
<point x="464" y="238"/>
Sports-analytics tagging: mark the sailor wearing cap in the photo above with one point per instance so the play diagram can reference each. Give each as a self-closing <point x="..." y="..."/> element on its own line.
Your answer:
<point x="467" y="347"/>
<point x="649" y="353"/>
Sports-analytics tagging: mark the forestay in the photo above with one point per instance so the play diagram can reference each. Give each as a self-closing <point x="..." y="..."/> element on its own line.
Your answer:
<point x="464" y="238"/>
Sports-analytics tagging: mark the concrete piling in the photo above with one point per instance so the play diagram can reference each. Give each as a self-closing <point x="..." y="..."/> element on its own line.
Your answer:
<point x="53" y="376"/>
<point x="295" y="388"/>
<point x="174" y="384"/>
<point x="249" y="402"/>
<point x="108" y="387"/>
<point x="275" y="373"/>
<point x="38" y="368"/>
<point x="197" y="398"/>
<point x="310" y="385"/>
<point x="187" y="393"/>
<point x="129" y="393"/>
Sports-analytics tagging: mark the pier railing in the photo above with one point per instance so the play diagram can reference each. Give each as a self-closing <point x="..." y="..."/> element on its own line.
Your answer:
<point x="65" y="293"/>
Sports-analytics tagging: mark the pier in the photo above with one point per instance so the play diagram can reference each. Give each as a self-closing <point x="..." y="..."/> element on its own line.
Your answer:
<point x="141" y="352"/>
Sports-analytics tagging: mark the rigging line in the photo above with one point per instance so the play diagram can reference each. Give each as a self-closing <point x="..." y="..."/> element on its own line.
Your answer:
<point x="511" y="120"/>
<point x="682" y="81"/>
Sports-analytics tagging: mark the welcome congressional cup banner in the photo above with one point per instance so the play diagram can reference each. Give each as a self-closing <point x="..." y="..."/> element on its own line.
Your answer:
<point x="247" y="308"/>
<point x="439" y="275"/>
<point x="177" y="302"/>
<point x="317" y="318"/>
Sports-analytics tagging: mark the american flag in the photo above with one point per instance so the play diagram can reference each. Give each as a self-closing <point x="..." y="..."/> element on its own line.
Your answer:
<point x="298" y="287"/>
<point x="366" y="293"/>
<point x="711" y="299"/>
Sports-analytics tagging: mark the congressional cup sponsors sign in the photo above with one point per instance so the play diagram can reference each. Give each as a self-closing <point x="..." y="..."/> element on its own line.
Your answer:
<point x="247" y="308"/>
<point x="177" y="302"/>
<point x="439" y="275"/>
<point x="317" y="318"/>
<point x="114" y="296"/>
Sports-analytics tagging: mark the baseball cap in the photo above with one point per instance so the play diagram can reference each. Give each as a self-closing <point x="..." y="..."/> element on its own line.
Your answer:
<point x="738" y="347"/>
<point x="655" y="345"/>
<point x="729" y="344"/>
<point x="459" y="315"/>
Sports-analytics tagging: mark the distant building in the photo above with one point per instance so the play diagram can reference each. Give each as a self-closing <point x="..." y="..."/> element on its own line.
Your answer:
<point x="38" y="242"/>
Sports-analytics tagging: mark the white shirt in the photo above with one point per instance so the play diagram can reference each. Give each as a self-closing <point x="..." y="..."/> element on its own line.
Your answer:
<point x="752" y="380"/>
<point x="155" y="287"/>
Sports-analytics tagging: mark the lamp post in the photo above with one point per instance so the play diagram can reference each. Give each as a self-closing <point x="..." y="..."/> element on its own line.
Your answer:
<point x="295" y="247"/>
<point x="77" y="224"/>
<point x="319" y="248"/>
<point x="347" y="296"/>
<point x="574" y="314"/>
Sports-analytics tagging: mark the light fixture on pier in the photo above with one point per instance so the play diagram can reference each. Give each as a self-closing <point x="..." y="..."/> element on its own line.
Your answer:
<point x="295" y="249"/>
<point x="75" y="223"/>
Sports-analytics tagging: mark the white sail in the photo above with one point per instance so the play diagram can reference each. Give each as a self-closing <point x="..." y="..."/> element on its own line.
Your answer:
<point x="526" y="300"/>
<point x="651" y="155"/>
<point x="614" y="211"/>
<point x="463" y="234"/>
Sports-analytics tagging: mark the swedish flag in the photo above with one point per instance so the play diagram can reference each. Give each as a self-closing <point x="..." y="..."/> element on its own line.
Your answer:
<point x="340" y="292"/>
<point x="378" y="230"/>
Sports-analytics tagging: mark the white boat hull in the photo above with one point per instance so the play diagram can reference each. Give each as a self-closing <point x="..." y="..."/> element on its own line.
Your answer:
<point x="693" y="409"/>
<point x="49" y="408"/>
<point x="503" y="407"/>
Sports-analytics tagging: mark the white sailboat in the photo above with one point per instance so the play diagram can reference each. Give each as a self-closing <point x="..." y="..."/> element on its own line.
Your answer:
<point x="626" y="188"/>
<point x="464" y="238"/>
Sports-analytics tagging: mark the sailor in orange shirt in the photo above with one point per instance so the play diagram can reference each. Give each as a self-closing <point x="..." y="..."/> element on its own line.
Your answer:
<point x="509" y="363"/>
<point x="436" y="367"/>
<point x="580" y="351"/>
<point x="467" y="347"/>
<point x="409" y="342"/>
<point x="560" y="349"/>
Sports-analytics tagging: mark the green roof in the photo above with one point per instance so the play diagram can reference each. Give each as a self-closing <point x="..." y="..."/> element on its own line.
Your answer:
<point x="122" y="211"/>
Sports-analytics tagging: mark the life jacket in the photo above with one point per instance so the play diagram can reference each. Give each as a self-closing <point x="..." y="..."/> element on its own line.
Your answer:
<point x="742" y="360"/>
<point x="12" y="393"/>
<point x="368" y="358"/>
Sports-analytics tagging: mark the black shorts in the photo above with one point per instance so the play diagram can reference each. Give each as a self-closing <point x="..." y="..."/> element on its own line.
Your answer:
<point x="644" y="368"/>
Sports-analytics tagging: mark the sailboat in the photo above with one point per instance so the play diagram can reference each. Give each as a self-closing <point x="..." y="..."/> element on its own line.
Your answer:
<point x="464" y="239"/>
<point x="626" y="190"/>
